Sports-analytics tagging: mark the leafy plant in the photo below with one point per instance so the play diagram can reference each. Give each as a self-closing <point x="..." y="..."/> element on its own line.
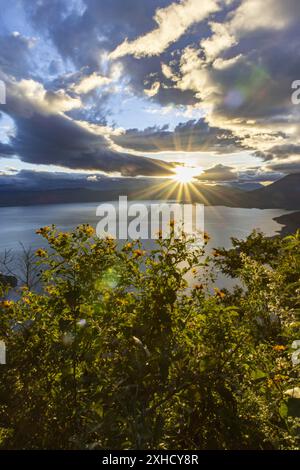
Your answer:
<point x="118" y="351"/>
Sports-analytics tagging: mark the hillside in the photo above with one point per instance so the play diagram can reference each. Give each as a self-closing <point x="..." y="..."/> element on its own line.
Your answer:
<point x="282" y="194"/>
<point x="291" y="223"/>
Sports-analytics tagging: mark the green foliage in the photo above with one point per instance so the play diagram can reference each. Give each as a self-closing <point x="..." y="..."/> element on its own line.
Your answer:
<point x="117" y="351"/>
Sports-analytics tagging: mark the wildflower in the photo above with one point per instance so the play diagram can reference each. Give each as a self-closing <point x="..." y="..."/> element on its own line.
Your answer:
<point x="278" y="378"/>
<point x="43" y="230"/>
<point x="279" y="347"/>
<point x="40" y="253"/>
<point x="137" y="253"/>
<point x="7" y="303"/>
<point x="219" y="293"/>
<point x="206" y="237"/>
<point x="127" y="246"/>
<point x="89" y="231"/>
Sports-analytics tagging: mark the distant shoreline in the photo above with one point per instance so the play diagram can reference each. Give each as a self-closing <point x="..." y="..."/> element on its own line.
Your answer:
<point x="290" y="222"/>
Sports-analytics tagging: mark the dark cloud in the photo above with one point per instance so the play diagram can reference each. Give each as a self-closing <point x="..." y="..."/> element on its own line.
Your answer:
<point x="228" y="174"/>
<point x="219" y="173"/>
<point x="279" y="151"/>
<point x="286" y="167"/>
<point x="37" y="180"/>
<point x="245" y="86"/>
<point x="6" y="150"/>
<point x="189" y="136"/>
<point x="58" y="140"/>
<point x="81" y="33"/>
<point x="44" y="134"/>
<point x="45" y="180"/>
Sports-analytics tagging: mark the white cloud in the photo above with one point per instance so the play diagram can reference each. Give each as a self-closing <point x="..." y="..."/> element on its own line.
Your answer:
<point x="256" y="14"/>
<point x="153" y="90"/>
<point x="221" y="40"/>
<point x="29" y="96"/>
<point x="250" y="16"/>
<point x="95" y="80"/>
<point x="89" y="83"/>
<point x="173" y="21"/>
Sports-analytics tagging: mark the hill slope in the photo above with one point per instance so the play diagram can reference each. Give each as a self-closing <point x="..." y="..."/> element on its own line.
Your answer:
<point x="283" y="194"/>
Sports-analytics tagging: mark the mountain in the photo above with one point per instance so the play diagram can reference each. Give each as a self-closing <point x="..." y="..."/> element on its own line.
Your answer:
<point x="283" y="194"/>
<point x="246" y="186"/>
<point x="210" y="195"/>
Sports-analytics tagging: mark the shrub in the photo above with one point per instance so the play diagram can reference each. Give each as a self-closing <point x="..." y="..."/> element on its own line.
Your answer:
<point x="117" y="351"/>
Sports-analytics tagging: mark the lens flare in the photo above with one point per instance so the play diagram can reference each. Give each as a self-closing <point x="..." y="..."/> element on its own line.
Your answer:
<point x="185" y="174"/>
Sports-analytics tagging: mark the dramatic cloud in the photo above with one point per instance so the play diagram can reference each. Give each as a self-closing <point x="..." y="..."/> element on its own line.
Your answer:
<point x="189" y="136"/>
<point x="172" y="22"/>
<point x="12" y="180"/>
<point x="46" y="135"/>
<point x="279" y="151"/>
<point x="219" y="173"/>
<point x="77" y="71"/>
<point x="6" y="150"/>
<point x="283" y="158"/>
<point x="28" y="97"/>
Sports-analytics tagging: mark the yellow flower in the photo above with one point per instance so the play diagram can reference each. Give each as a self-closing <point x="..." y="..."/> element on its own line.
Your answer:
<point x="219" y="293"/>
<point x="7" y="303"/>
<point x="279" y="347"/>
<point x="127" y="246"/>
<point x="138" y="253"/>
<point x="43" y="230"/>
<point x="89" y="231"/>
<point x="40" y="253"/>
<point x="278" y="378"/>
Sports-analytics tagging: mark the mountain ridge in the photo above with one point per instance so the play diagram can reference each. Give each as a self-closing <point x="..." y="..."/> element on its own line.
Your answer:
<point x="282" y="194"/>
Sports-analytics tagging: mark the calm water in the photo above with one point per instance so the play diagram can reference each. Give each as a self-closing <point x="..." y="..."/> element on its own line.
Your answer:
<point x="18" y="224"/>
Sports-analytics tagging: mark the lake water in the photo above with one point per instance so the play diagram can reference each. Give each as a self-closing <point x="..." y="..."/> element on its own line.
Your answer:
<point x="18" y="224"/>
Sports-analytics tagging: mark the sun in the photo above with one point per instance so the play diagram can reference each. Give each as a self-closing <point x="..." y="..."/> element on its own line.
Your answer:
<point x="185" y="174"/>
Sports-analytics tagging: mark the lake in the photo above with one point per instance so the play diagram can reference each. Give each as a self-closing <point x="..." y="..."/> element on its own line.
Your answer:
<point x="18" y="224"/>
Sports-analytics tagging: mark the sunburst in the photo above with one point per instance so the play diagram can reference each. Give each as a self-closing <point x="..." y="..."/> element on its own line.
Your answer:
<point x="185" y="174"/>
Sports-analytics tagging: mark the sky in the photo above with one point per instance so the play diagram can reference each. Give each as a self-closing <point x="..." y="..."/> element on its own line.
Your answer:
<point x="99" y="89"/>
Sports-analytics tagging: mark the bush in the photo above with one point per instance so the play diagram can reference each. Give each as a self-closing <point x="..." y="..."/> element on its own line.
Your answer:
<point x="117" y="351"/>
